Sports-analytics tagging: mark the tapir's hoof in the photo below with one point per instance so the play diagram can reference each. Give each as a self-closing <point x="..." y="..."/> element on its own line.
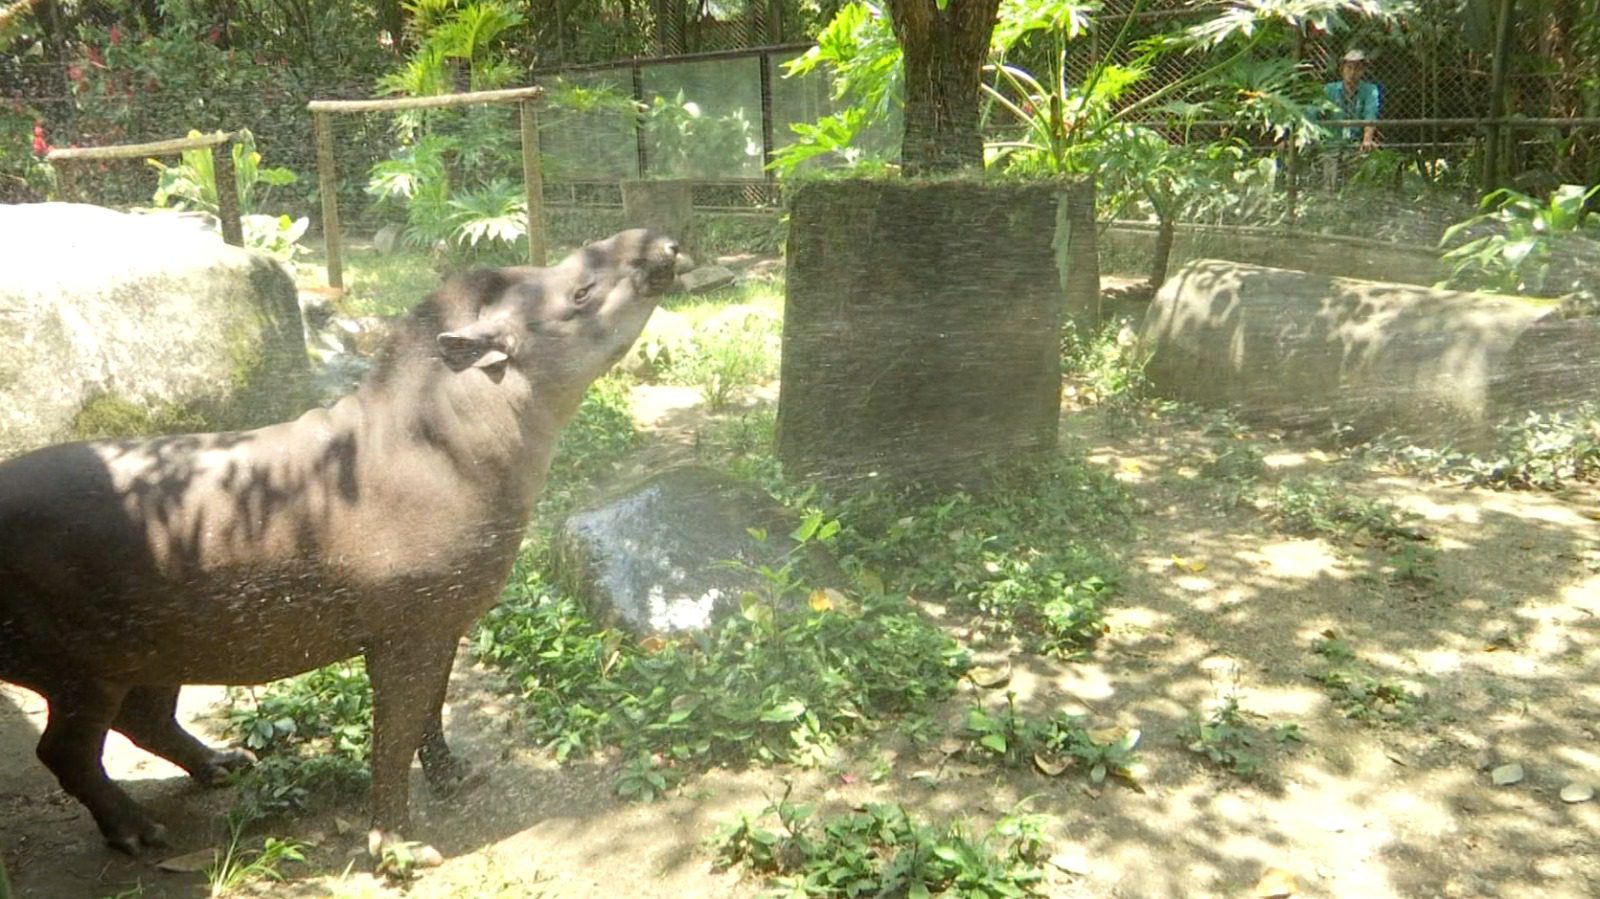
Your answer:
<point x="459" y="777"/>
<point x="136" y="839"/>
<point x="222" y="764"/>
<point x="395" y="857"/>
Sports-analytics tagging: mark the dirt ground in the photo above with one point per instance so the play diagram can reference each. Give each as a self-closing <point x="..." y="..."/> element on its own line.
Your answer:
<point x="1504" y="647"/>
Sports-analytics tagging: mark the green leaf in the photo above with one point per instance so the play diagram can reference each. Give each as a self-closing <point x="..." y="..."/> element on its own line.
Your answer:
<point x="789" y="711"/>
<point x="996" y="742"/>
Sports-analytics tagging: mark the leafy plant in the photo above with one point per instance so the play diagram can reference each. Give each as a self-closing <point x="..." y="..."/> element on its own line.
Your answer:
<point x="314" y="735"/>
<point x="1320" y="507"/>
<point x="236" y="866"/>
<point x="729" y="357"/>
<point x="192" y="184"/>
<point x="645" y="777"/>
<point x="1023" y="553"/>
<point x="858" y="50"/>
<point x="777" y="682"/>
<point x="1540" y="451"/>
<point x="1230" y="738"/>
<point x="1513" y="244"/>
<point x="883" y="851"/>
<point x="1366" y="698"/>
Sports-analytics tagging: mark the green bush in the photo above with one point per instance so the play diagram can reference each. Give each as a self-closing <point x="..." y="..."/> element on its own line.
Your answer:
<point x="1026" y="553"/>
<point x="783" y="681"/>
<point x="882" y="851"/>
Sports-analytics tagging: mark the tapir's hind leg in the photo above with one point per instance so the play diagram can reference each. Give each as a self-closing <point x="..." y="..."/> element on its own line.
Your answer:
<point x="447" y="774"/>
<point x="149" y="718"/>
<point x="80" y="715"/>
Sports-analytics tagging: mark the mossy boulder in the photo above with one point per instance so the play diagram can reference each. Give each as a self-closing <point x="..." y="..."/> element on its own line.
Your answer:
<point x="116" y="324"/>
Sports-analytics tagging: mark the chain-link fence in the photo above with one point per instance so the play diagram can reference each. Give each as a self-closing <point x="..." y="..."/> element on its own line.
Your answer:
<point x="710" y="101"/>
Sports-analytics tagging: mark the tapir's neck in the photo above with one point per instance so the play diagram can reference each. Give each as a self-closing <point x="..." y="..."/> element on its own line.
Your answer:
<point x="498" y="432"/>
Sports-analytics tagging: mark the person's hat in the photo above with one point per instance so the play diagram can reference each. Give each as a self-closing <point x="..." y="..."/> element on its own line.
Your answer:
<point x="1355" y="56"/>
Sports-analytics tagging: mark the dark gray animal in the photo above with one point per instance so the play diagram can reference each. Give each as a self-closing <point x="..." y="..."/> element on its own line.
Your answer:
<point x="381" y="526"/>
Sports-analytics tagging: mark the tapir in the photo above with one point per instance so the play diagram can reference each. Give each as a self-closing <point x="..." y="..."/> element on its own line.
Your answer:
<point x="382" y="526"/>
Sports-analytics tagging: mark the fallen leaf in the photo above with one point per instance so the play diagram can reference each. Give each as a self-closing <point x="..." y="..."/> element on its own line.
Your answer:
<point x="653" y="644"/>
<point x="1105" y="736"/>
<point x="1130" y="466"/>
<point x="990" y="677"/>
<point x="821" y="600"/>
<point x="1049" y="767"/>
<point x="1192" y="566"/>
<point x="1276" y="883"/>
<point x="1071" y="862"/>
<point x="847" y="778"/>
<point x="342" y="826"/>
<point x="925" y="775"/>
<point x="190" y="862"/>
<point x="1506" y="775"/>
<point x="1577" y="792"/>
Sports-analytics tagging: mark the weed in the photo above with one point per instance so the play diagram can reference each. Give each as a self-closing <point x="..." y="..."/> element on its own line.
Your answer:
<point x="782" y="681"/>
<point x="1004" y="735"/>
<point x="1541" y="451"/>
<point x="1105" y="365"/>
<point x="236" y="866"/>
<point x="1066" y="740"/>
<point x="645" y="776"/>
<point x="314" y="734"/>
<point x="1318" y="507"/>
<point x="1230" y="738"/>
<point x="730" y="356"/>
<point x="883" y="851"/>
<point x="1024" y="555"/>
<point x="1334" y="648"/>
<point x="1366" y="698"/>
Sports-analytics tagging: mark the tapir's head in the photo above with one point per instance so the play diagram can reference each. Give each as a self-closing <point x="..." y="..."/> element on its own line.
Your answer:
<point x="562" y="327"/>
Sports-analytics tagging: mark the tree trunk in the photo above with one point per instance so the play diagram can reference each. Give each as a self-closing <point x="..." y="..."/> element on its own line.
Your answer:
<point x="944" y="52"/>
<point x="1165" y="232"/>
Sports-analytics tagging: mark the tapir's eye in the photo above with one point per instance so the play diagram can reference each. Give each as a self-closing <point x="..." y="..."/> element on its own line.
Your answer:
<point x="582" y="294"/>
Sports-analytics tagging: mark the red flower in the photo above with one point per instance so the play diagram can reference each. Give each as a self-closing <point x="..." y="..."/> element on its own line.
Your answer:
<point x="116" y="33"/>
<point x="214" y="35"/>
<point x="40" y="145"/>
<point x="75" y="72"/>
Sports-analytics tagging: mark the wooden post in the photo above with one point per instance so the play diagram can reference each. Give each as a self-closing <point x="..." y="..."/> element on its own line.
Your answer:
<point x="328" y="180"/>
<point x="1497" y="96"/>
<point x="533" y="181"/>
<point x="67" y="180"/>
<point x="227" y="195"/>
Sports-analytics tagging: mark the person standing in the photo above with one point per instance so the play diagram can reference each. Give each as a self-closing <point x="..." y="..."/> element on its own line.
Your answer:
<point x="1356" y="98"/>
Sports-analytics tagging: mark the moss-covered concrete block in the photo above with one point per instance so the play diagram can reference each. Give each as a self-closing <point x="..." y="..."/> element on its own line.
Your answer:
<point x="920" y="333"/>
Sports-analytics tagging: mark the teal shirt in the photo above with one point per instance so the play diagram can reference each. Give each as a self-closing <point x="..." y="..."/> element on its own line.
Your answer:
<point x="1362" y="105"/>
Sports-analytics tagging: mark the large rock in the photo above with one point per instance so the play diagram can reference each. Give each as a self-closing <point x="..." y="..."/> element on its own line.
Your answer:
<point x="1312" y="351"/>
<point x="920" y="334"/>
<point x="115" y="323"/>
<point x="654" y="559"/>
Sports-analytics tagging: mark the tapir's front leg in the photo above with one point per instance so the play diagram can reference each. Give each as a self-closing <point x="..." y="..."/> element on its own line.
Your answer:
<point x="408" y="676"/>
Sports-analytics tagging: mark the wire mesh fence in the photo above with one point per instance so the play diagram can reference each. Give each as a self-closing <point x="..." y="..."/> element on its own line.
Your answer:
<point x="710" y="101"/>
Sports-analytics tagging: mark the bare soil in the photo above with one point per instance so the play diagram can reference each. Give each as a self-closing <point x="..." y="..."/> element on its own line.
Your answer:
<point x="1504" y="646"/>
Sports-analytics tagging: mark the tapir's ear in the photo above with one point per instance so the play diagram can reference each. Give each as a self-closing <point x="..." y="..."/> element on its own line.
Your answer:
<point x="479" y="345"/>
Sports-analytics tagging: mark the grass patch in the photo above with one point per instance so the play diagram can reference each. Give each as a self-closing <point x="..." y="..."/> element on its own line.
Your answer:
<point x="883" y="851"/>
<point x="1026" y="554"/>
<point x="782" y="682"/>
